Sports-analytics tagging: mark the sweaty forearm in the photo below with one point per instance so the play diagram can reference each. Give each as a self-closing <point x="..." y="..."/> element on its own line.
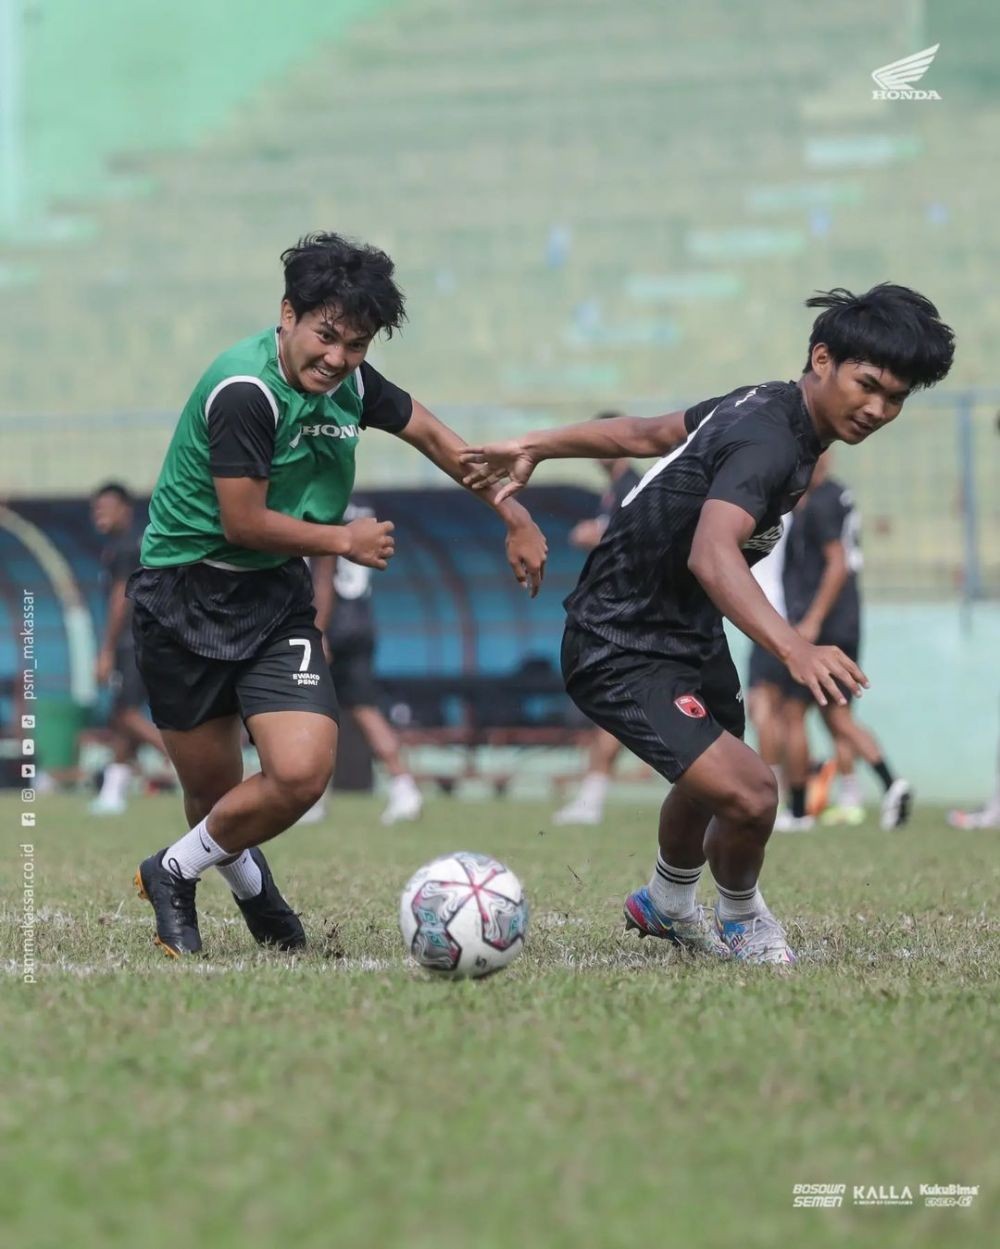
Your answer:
<point x="613" y="439"/>
<point x="267" y="530"/>
<point x="726" y="579"/>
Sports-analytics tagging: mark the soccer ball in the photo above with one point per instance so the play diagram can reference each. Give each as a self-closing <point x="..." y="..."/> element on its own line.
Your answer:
<point x="463" y="915"/>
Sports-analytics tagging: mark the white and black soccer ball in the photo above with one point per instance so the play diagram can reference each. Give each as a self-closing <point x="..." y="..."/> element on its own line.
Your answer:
<point x="463" y="915"/>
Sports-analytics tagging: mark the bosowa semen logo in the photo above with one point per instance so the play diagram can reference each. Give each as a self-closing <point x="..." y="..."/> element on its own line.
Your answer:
<point x="896" y="80"/>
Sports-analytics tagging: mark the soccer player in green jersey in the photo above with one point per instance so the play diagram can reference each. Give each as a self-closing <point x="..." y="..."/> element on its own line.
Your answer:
<point x="257" y="476"/>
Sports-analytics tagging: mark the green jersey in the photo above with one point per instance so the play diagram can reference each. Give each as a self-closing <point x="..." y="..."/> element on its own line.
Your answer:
<point x="244" y="419"/>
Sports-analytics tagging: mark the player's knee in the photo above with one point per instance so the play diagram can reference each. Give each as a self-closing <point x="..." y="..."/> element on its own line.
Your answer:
<point x="756" y="800"/>
<point x="303" y="783"/>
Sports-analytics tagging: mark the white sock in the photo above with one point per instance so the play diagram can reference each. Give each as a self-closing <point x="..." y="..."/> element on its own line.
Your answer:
<point x="243" y="876"/>
<point x="403" y="784"/>
<point x="593" y="789"/>
<point x="191" y="854"/>
<point x="673" y="889"/>
<point x="849" y="791"/>
<point x="114" y="786"/>
<point x="739" y="903"/>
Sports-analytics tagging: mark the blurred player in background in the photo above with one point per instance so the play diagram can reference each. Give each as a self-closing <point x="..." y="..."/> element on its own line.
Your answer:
<point x="765" y="702"/>
<point x="344" y="615"/>
<point x="112" y="513"/>
<point x="645" y="654"/>
<point x="988" y="815"/>
<point x="258" y="475"/>
<point x="820" y="577"/>
<point x="587" y="807"/>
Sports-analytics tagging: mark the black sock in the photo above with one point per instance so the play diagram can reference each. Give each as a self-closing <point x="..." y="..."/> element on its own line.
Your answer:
<point x="797" y="793"/>
<point x="883" y="773"/>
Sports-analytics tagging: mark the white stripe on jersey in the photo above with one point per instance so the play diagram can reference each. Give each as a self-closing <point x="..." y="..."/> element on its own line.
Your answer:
<point x="669" y="458"/>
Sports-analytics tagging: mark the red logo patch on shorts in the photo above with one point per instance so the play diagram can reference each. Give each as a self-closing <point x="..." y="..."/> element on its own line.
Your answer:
<point x="691" y="706"/>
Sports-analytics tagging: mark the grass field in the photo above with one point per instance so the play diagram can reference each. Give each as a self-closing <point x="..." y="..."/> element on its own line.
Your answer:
<point x="601" y="1092"/>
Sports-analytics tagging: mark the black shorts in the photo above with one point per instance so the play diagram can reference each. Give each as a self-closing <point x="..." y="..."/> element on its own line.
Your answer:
<point x="126" y="683"/>
<point x="666" y="711"/>
<point x="288" y="673"/>
<point x="351" y="669"/>
<point x="765" y="669"/>
<point x="851" y="646"/>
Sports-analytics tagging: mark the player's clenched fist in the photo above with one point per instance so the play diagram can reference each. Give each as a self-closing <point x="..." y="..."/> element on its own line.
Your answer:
<point x="370" y="542"/>
<point x="824" y="669"/>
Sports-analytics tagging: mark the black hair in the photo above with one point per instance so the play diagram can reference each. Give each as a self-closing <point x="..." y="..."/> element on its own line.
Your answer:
<point x="890" y="326"/>
<point x="607" y="416"/>
<point x="122" y="493"/>
<point x="352" y="279"/>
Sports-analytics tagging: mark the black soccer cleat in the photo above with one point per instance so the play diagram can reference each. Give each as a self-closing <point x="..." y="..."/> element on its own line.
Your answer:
<point x="271" y="921"/>
<point x="172" y="900"/>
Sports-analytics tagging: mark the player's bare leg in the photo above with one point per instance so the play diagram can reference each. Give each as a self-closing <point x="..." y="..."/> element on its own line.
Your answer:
<point x="847" y="807"/>
<point x="130" y="729"/>
<point x="734" y="783"/>
<point x="795" y="819"/>
<point x="296" y="750"/>
<point x="765" y="707"/>
<point x="667" y="907"/>
<point x="587" y="807"/>
<point x="898" y="797"/>
<point x="405" y="800"/>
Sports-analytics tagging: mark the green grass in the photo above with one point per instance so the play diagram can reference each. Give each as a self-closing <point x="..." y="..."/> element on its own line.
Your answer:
<point x="601" y="1092"/>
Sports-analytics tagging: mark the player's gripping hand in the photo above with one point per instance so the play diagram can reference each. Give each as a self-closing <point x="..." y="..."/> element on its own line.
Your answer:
<point x="496" y="462"/>
<point x="527" y="551"/>
<point x="370" y="542"/>
<point x="821" y="668"/>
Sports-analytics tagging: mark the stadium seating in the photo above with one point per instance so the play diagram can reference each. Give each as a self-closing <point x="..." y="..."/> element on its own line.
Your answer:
<point x="587" y="206"/>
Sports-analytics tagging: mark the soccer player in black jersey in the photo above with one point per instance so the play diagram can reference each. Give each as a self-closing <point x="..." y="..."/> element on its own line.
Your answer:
<point x="823" y="599"/>
<point x="644" y="653"/>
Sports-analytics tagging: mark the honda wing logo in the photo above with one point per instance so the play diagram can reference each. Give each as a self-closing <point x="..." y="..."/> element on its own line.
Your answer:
<point x="897" y="79"/>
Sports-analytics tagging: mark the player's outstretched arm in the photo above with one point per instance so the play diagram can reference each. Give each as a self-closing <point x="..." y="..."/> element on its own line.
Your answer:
<point x="526" y="546"/>
<point x="513" y="461"/>
<point x="717" y="561"/>
<point x="248" y="521"/>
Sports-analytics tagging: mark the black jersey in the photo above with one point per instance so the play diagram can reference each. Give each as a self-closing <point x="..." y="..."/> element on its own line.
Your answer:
<point x="617" y="492"/>
<point x="119" y="559"/>
<point x="755" y="447"/>
<point x="827" y="515"/>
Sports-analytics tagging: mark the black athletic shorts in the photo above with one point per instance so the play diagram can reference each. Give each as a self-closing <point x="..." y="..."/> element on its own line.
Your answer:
<point x="287" y="673"/>
<point x="351" y="669"/>
<point x="666" y="711"/>
<point x="765" y="669"/>
<point x="126" y="683"/>
<point x="851" y="646"/>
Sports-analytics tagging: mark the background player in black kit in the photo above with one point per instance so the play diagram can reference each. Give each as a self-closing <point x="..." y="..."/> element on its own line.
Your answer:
<point x="113" y="515"/>
<point x="644" y="652"/>
<point x="823" y="600"/>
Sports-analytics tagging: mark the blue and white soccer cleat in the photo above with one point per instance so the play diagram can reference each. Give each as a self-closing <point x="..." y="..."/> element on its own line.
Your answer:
<point x="759" y="939"/>
<point x="695" y="933"/>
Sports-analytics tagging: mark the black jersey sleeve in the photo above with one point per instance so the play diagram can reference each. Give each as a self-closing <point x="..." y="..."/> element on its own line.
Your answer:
<point x="241" y="423"/>
<point x="122" y="562"/>
<point x="694" y="415"/>
<point x="827" y="513"/>
<point x="384" y="406"/>
<point x="751" y="466"/>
